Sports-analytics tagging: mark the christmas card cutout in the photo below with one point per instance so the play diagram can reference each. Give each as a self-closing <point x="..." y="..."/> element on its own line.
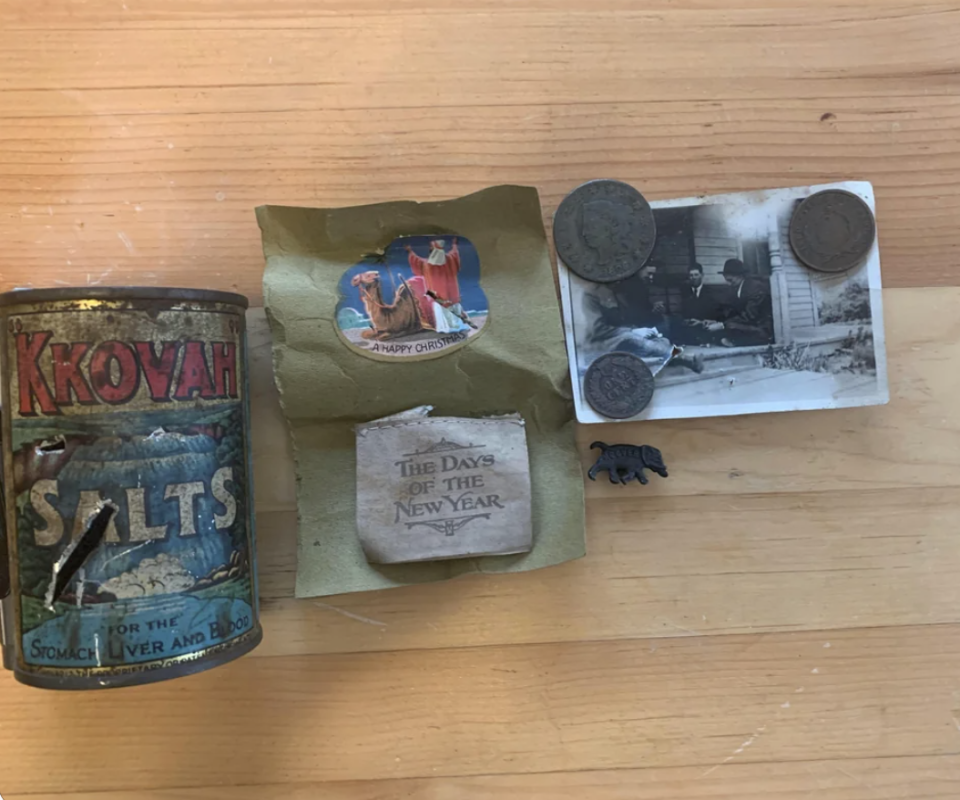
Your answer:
<point x="418" y="299"/>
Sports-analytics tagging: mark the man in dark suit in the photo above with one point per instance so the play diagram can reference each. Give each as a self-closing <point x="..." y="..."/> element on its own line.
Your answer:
<point x="698" y="301"/>
<point x="699" y="307"/>
<point x="748" y="315"/>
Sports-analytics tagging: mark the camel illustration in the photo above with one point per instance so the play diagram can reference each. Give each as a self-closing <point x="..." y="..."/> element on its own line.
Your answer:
<point x="400" y="318"/>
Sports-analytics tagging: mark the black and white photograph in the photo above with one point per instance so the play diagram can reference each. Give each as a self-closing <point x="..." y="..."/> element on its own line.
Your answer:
<point x="728" y="317"/>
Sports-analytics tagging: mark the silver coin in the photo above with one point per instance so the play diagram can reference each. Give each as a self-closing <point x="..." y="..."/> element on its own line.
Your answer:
<point x="618" y="385"/>
<point x="604" y="231"/>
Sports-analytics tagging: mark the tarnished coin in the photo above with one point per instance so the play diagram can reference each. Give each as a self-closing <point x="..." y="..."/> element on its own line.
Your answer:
<point x="832" y="231"/>
<point x="604" y="231"/>
<point x="618" y="385"/>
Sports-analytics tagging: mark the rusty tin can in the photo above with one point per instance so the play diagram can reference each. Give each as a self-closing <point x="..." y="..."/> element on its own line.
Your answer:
<point x="127" y="484"/>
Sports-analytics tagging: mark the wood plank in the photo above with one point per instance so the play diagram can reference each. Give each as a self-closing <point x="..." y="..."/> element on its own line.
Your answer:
<point x="918" y="778"/>
<point x="705" y="702"/>
<point x="300" y="13"/>
<point x="93" y="163"/>
<point x="73" y="185"/>
<point x="722" y="93"/>
<point x="724" y="42"/>
<point x="680" y="567"/>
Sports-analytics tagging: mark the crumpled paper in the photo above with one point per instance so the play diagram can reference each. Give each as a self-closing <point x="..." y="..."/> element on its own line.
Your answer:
<point x="518" y="365"/>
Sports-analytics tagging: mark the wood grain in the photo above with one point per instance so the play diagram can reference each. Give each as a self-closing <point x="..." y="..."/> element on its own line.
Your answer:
<point x="135" y="150"/>
<point x="917" y="778"/>
<point x="687" y="656"/>
<point x="703" y="702"/>
<point x="684" y="568"/>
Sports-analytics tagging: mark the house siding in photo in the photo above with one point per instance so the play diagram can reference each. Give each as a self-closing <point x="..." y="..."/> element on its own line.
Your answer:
<point x="802" y="295"/>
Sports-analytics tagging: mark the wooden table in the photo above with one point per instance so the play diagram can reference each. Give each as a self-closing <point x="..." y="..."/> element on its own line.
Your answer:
<point x="780" y="619"/>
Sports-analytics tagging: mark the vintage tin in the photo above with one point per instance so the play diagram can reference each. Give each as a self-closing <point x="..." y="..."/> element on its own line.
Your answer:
<point x="134" y="399"/>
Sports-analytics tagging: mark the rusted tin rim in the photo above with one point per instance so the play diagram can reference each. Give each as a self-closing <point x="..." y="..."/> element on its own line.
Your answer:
<point x="19" y="296"/>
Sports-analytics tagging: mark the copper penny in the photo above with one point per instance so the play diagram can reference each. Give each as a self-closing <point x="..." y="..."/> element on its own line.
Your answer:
<point x="618" y="385"/>
<point x="832" y="231"/>
<point x="604" y="231"/>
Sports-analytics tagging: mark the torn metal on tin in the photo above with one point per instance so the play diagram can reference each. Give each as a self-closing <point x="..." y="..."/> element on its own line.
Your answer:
<point x="75" y="555"/>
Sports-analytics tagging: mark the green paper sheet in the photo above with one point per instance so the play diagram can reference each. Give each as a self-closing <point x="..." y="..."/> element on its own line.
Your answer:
<point x="518" y="364"/>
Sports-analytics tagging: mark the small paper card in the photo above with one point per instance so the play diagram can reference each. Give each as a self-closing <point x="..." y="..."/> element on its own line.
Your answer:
<point x="432" y="488"/>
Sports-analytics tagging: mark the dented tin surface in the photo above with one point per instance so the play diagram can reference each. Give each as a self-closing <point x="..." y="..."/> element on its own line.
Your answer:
<point x="135" y="401"/>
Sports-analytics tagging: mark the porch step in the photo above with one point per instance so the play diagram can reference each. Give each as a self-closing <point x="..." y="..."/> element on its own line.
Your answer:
<point x="718" y="357"/>
<point x="677" y="376"/>
<point x="720" y="362"/>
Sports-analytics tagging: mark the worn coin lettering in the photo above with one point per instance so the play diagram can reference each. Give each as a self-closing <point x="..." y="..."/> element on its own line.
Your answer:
<point x="618" y="385"/>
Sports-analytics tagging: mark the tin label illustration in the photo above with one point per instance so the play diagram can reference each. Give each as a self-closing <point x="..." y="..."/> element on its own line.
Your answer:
<point x="420" y="299"/>
<point x="141" y="411"/>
